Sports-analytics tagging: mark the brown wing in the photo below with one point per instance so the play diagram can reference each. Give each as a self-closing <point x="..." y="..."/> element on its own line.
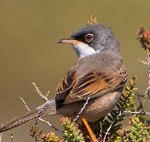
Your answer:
<point x="64" y="87"/>
<point x="92" y="85"/>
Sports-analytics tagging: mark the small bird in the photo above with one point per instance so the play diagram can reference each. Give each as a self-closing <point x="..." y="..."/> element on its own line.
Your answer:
<point x="98" y="76"/>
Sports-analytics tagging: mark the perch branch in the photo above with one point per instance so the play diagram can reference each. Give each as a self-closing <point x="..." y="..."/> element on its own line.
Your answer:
<point x="42" y="120"/>
<point x="85" y="104"/>
<point x="128" y="113"/>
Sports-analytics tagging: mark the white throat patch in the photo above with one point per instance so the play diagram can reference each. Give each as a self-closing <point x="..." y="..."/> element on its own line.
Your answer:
<point x="83" y="50"/>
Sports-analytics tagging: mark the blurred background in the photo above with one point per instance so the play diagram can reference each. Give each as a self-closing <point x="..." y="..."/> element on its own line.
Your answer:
<point x="29" y="31"/>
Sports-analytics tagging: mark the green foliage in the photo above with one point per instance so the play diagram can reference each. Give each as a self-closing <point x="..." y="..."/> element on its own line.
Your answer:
<point x="51" y="137"/>
<point x="71" y="133"/>
<point x="136" y="129"/>
<point x="130" y="90"/>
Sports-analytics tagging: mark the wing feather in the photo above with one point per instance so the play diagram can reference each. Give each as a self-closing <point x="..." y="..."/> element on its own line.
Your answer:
<point x="93" y="84"/>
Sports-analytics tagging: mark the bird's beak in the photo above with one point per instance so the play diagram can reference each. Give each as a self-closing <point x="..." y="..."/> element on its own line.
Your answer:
<point x="69" y="41"/>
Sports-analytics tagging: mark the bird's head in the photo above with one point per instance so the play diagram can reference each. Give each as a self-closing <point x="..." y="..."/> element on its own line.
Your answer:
<point x="92" y="39"/>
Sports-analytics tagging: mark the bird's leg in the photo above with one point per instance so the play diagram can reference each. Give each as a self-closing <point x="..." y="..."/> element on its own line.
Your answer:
<point x="94" y="139"/>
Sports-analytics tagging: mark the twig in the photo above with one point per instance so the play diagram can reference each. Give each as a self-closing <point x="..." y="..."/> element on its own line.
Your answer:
<point x="100" y="131"/>
<point x="49" y="124"/>
<point x="39" y="92"/>
<point x="0" y="137"/>
<point x="36" y="139"/>
<point x="148" y="127"/>
<point x="85" y="104"/>
<point x="11" y="137"/>
<point x="42" y="120"/>
<point x="145" y="96"/>
<point x="143" y="62"/>
<point x="147" y="90"/>
<point x="25" y="104"/>
<point x="138" y="97"/>
<point x="47" y="94"/>
<point x="128" y="113"/>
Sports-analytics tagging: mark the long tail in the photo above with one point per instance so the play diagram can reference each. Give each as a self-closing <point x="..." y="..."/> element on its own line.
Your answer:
<point x="48" y="108"/>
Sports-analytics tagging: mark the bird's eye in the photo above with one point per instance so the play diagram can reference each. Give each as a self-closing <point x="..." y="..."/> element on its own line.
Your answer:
<point x="89" y="37"/>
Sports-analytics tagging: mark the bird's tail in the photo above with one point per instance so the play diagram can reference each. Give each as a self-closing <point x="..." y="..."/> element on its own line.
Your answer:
<point x="48" y="108"/>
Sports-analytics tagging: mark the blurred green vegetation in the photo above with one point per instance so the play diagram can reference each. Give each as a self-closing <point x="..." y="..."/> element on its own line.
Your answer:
<point x="29" y="31"/>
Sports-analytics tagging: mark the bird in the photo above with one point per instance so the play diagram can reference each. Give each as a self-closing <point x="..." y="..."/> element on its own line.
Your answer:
<point x="97" y="80"/>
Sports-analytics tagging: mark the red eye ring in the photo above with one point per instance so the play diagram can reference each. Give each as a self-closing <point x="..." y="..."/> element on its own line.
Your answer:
<point x="89" y="37"/>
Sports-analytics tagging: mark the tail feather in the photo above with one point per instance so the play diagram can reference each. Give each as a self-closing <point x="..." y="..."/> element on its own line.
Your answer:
<point x="48" y="108"/>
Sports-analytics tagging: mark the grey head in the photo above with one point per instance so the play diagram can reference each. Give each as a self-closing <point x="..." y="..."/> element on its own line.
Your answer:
<point x="92" y="39"/>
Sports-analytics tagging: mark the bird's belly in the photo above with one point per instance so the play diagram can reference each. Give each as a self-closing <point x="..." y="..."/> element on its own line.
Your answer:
<point x="99" y="107"/>
<point x="94" y="110"/>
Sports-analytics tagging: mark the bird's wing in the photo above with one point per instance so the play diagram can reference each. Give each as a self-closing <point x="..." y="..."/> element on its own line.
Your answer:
<point x="93" y="84"/>
<point x="64" y="88"/>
